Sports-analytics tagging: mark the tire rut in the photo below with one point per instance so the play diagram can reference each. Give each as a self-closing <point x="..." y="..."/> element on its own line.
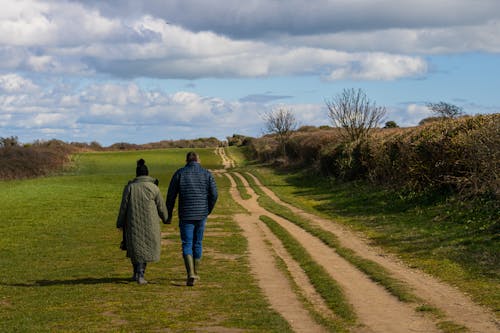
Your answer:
<point x="453" y="303"/>
<point x="272" y="281"/>
<point x="376" y="309"/>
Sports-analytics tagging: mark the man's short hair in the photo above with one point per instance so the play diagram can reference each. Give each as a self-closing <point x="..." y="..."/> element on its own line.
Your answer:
<point x="192" y="157"/>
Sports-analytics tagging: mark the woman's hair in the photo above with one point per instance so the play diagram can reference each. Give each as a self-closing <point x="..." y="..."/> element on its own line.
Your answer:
<point x="141" y="169"/>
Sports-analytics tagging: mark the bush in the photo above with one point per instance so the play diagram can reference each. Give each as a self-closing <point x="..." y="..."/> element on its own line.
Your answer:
<point x="459" y="155"/>
<point x="307" y="128"/>
<point x="391" y="124"/>
<point x="238" y="140"/>
<point x="35" y="160"/>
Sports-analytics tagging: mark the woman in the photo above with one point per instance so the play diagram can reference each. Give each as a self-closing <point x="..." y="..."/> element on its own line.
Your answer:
<point x="141" y="205"/>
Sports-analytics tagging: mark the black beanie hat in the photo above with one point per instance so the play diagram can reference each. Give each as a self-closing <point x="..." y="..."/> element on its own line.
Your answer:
<point x="142" y="169"/>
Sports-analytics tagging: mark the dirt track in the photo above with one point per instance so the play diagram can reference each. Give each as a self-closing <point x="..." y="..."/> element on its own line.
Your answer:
<point x="376" y="309"/>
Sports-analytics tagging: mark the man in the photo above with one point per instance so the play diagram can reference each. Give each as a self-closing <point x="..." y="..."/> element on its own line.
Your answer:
<point x="197" y="197"/>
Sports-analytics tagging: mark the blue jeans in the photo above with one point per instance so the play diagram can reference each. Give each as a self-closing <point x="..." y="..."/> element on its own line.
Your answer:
<point x="192" y="237"/>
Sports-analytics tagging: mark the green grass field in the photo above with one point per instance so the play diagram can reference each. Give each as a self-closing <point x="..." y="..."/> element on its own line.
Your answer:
<point x="62" y="269"/>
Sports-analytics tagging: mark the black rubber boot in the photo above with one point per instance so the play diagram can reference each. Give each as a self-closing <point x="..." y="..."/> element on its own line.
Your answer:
<point x="134" y="276"/>
<point x="140" y="273"/>
<point x="189" y="263"/>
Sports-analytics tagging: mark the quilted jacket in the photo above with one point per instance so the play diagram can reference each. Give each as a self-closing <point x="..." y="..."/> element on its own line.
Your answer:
<point x="197" y="192"/>
<point x="140" y="208"/>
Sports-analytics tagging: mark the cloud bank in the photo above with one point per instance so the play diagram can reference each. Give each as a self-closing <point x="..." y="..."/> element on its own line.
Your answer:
<point x="361" y="40"/>
<point x="113" y="112"/>
<point x="70" y="68"/>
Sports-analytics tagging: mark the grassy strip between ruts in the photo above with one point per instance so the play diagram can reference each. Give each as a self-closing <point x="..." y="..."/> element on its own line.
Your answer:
<point x="375" y="272"/>
<point x="241" y="188"/>
<point x="331" y="322"/>
<point x="322" y="282"/>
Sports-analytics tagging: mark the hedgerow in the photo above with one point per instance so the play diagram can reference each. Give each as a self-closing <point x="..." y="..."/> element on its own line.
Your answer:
<point x="458" y="155"/>
<point x="33" y="160"/>
<point x="41" y="158"/>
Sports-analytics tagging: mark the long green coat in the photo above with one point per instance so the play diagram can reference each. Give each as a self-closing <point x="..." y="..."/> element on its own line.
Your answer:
<point x="141" y="205"/>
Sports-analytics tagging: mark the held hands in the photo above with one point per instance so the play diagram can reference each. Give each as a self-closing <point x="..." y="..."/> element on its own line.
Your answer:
<point x="168" y="220"/>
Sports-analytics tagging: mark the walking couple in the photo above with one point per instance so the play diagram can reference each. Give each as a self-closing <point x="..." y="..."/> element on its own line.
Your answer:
<point x="142" y="203"/>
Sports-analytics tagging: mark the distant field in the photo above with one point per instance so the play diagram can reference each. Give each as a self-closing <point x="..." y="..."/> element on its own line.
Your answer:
<point x="62" y="269"/>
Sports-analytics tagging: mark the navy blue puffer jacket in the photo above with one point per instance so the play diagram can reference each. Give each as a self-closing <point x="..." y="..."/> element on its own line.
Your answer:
<point x="197" y="192"/>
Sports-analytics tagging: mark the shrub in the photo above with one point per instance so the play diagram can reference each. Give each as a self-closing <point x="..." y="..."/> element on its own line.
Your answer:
<point x="38" y="159"/>
<point x="460" y="155"/>
<point x="306" y="128"/>
<point x="390" y="124"/>
<point x="238" y="140"/>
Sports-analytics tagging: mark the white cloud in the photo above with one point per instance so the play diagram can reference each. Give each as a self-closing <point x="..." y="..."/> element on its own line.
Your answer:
<point x="156" y="39"/>
<point x="14" y="84"/>
<point x="72" y="38"/>
<point x="106" y="110"/>
<point x="5" y="119"/>
<point x="311" y="114"/>
<point x="49" y="120"/>
<point x="40" y="63"/>
<point x="25" y="23"/>
<point x="377" y="66"/>
<point x="56" y="23"/>
<point x="85" y="111"/>
<point x="121" y="111"/>
<point x="410" y="115"/>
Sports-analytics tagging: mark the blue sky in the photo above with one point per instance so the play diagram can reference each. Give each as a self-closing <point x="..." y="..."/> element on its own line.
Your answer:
<point x="143" y="71"/>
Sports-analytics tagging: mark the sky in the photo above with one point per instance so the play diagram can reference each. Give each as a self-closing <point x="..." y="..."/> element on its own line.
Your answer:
<point x="144" y="71"/>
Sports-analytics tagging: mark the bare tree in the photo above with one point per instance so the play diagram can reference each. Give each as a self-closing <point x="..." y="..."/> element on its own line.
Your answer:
<point x="282" y="123"/>
<point x="445" y="110"/>
<point x="353" y="111"/>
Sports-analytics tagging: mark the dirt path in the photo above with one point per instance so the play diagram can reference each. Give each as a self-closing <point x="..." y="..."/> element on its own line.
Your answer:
<point x="271" y="280"/>
<point x="376" y="309"/>
<point x="226" y="161"/>
<point x="455" y="305"/>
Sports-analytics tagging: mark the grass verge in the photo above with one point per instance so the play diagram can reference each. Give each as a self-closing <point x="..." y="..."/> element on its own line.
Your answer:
<point x="241" y="188"/>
